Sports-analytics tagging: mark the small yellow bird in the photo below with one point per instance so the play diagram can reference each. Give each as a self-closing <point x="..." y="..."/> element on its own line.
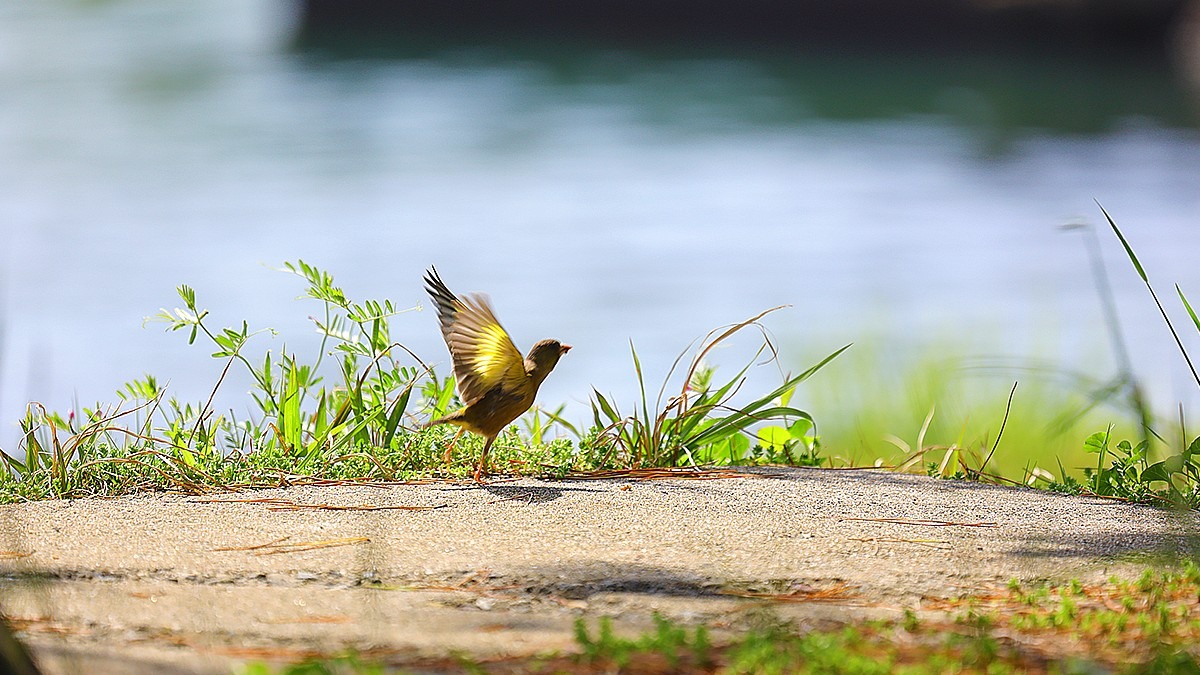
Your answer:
<point x="495" y="383"/>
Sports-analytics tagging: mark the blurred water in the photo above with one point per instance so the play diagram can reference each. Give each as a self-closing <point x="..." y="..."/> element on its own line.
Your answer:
<point x="598" y="198"/>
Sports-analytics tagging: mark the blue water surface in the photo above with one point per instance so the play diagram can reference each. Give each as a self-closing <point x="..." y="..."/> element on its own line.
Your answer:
<point x="599" y="197"/>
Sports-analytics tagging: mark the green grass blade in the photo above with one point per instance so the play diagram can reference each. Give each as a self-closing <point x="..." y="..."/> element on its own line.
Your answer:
<point x="739" y="420"/>
<point x="1128" y="249"/>
<point x="11" y="462"/>
<point x="33" y="448"/>
<point x="751" y="413"/>
<point x="1188" y="307"/>
<point x="289" y="409"/>
<point x="719" y="394"/>
<point x="608" y="410"/>
<point x="1163" y="312"/>
<point x="809" y="373"/>
<point x="695" y="416"/>
<point x="791" y="383"/>
<point x="393" y="422"/>
<point x="348" y="433"/>
<point x="557" y="418"/>
<point x="320" y="418"/>
<point x="637" y="364"/>
<point x="444" y="393"/>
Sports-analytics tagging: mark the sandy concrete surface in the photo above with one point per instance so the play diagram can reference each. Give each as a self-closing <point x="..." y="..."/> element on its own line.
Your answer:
<point x="171" y="583"/>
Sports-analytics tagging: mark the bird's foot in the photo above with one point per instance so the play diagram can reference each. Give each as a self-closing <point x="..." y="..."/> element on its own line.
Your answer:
<point x="448" y="456"/>
<point x="480" y="472"/>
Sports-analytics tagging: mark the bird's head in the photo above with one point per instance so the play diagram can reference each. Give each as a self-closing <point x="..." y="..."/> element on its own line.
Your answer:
<point x="545" y="355"/>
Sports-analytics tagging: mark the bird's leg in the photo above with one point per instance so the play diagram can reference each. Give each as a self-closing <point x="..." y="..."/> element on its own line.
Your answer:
<point x="446" y="459"/>
<point x="481" y="470"/>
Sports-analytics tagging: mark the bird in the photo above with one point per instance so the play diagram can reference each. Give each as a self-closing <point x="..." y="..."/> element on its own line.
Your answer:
<point x="495" y="383"/>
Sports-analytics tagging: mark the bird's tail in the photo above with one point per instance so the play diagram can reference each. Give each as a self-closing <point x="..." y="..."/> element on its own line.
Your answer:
<point x="454" y="418"/>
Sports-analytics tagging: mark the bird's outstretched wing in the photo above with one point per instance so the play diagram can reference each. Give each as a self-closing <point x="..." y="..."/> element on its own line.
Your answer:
<point x="484" y="356"/>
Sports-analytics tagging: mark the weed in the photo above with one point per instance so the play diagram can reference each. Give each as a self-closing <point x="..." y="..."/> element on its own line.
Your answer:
<point x="306" y="420"/>
<point x="1147" y="625"/>
<point x="339" y="665"/>
<point x="340" y="413"/>
<point x="668" y="642"/>
<point x="953" y="409"/>
<point x="1125" y="471"/>
<point x="1130" y="475"/>
<point x="701" y="425"/>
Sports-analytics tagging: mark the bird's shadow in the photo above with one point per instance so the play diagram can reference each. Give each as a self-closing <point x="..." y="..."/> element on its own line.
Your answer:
<point x="530" y="494"/>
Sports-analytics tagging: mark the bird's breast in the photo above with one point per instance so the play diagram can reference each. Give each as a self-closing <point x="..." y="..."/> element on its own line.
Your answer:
<point x="497" y="409"/>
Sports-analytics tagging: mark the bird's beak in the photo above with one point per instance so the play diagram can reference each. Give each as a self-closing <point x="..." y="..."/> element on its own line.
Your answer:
<point x="564" y="349"/>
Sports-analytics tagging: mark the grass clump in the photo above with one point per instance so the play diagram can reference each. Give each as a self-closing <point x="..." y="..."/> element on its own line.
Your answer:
<point x="668" y="646"/>
<point x="336" y="420"/>
<point x="1137" y="623"/>
<point x="1150" y="624"/>
<point x="340" y="665"/>
<point x="700" y="425"/>
<point x="1053" y="410"/>
<point x="1126" y="470"/>
<point x="352" y="410"/>
<point x="942" y="415"/>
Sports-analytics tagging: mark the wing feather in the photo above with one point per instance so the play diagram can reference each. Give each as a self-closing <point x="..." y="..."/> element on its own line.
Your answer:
<point x="484" y="355"/>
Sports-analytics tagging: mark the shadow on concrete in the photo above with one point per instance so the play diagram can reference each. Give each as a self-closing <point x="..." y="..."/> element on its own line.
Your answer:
<point x="1144" y="546"/>
<point x="532" y="494"/>
<point x="578" y="582"/>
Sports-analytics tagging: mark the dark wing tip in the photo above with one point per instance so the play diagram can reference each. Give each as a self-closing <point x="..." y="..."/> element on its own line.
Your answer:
<point x="434" y="284"/>
<point x="432" y="279"/>
<point x="443" y="298"/>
